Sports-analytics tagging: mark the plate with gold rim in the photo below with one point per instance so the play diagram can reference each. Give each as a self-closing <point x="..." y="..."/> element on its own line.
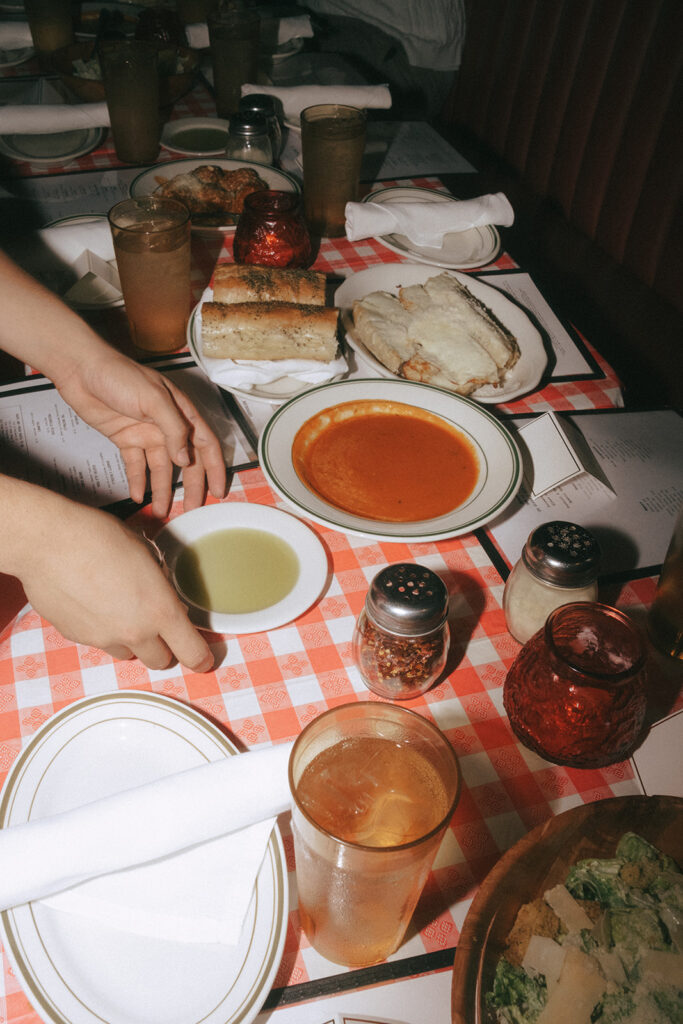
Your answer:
<point x="77" y="971"/>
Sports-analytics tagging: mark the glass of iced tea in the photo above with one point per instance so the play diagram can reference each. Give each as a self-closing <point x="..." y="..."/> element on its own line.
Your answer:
<point x="332" y="146"/>
<point x="152" y="245"/>
<point x="374" y="787"/>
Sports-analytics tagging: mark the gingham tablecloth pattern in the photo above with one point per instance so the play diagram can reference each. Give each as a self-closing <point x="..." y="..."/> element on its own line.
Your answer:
<point x="269" y="685"/>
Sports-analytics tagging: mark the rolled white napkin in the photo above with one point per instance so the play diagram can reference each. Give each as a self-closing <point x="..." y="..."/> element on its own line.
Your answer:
<point x="295" y="98"/>
<point x="297" y="26"/>
<point x="426" y="223"/>
<point x="49" y="119"/>
<point x="15" y="35"/>
<point x="138" y="833"/>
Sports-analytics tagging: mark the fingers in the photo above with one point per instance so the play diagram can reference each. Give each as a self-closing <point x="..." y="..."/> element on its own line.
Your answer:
<point x="207" y="448"/>
<point x="161" y="480"/>
<point x="187" y="643"/>
<point x="135" y="465"/>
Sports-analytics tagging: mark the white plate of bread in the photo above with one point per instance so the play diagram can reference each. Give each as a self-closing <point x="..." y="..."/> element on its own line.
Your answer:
<point x="265" y="333"/>
<point x="212" y="189"/>
<point x="460" y="250"/>
<point x="499" y="473"/>
<point x="446" y="328"/>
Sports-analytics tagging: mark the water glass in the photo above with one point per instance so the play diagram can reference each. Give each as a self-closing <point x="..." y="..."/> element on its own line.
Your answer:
<point x="152" y="245"/>
<point x="332" y="142"/>
<point x="131" y="86"/>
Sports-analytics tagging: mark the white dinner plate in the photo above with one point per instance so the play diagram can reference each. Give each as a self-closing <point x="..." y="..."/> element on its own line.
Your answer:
<point x="274" y="393"/>
<point x="460" y="250"/>
<point x="10" y="58"/>
<point x="148" y="181"/>
<point x="76" y="971"/>
<point x="523" y="377"/>
<point x="500" y="467"/>
<point x="313" y="567"/>
<point x="58" y="148"/>
<point x="171" y="135"/>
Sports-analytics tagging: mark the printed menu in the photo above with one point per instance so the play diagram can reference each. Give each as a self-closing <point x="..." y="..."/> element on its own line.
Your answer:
<point x="640" y="457"/>
<point x="44" y="441"/>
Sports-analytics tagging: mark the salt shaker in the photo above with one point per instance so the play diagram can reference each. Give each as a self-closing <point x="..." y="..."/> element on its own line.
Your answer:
<point x="264" y="105"/>
<point x="401" y="638"/>
<point x="248" y="139"/>
<point x="558" y="565"/>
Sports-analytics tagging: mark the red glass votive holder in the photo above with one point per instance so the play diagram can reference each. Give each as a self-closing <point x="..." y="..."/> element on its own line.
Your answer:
<point x="272" y="232"/>
<point x="576" y="691"/>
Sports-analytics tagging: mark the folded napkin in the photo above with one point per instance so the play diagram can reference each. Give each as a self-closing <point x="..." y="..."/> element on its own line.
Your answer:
<point x="297" y="26"/>
<point x="15" y="35"/>
<point x="75" y="259"/>
<point x="295" y="98"/>
<point x="67" y="240"/>
<point x="426" y="223"/>
<point x="49" y="119"/>
<point x="121" y="853"/>
<point x="246" y="375"/>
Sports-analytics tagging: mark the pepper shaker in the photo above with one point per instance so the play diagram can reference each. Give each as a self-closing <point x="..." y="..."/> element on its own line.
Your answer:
<point x="401" y="638"/>
<point x="558" y="565"/>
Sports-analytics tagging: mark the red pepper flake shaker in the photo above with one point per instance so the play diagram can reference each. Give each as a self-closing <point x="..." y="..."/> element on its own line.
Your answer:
<point x="401" y="639"/>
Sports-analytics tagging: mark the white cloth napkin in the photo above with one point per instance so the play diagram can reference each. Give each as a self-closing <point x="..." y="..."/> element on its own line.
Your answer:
<point x="297" y="26"/>
<point x="122" y="852"/>
<point x="68" y="240"/>
<point x="426" y="223"/>
<point x="246" y="375"/>
<point x="49" y="119"/>
<point x="15" y="35"/>
<point x="295" y="98"/>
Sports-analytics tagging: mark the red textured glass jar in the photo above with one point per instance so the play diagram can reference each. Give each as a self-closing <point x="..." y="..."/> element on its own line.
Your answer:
<point x="576" y="691"/>
<point x="272" y="232"/>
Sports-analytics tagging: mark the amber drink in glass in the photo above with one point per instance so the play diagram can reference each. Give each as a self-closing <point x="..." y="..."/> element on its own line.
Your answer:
<point x="152" y="245"/>
<point x="374" y="787"/>
<point x="332" y="144"/>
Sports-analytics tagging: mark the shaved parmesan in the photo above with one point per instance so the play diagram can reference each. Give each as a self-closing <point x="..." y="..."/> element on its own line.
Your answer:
<point x="660" y="964"/>
<point x="544" y="956"/>
<point x="576" y="994"/>
<point x="570" y="913"/>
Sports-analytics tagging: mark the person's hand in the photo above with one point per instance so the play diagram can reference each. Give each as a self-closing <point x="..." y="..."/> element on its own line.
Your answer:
<point x="100" y="584"/>
<point x="152" y="423"/>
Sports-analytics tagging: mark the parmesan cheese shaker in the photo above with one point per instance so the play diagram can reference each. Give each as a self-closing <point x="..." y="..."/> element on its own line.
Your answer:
<point x="558" y="565"/>
<point x="401" y="639"/>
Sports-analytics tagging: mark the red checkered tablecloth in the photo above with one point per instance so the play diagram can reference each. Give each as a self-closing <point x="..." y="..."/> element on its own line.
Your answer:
<point x="267" y="686"/>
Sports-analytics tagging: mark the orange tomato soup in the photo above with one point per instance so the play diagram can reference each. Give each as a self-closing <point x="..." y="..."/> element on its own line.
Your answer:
<point x="385" y="461"/>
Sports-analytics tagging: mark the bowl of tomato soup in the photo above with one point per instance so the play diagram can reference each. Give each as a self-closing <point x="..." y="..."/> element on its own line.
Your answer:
<point x="394" y="460"/>
<point x="386" y="461"/>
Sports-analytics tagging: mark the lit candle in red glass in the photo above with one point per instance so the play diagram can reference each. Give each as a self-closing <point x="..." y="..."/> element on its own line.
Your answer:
<point x="272" y="232"/>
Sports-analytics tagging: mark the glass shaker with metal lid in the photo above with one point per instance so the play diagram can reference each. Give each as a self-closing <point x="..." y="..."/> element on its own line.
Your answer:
<point x="248" y="139"/>
<point x="559" y="564"/>
<point x="401" y="638"/>
<point x="264" y="105"/>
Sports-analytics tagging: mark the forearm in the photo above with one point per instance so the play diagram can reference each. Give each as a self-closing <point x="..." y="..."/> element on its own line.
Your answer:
<point x="38" y="328"/>
<point x="27" y="511"/>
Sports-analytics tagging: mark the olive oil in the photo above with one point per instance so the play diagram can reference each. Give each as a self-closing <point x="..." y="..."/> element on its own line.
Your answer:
<point x="236" y="571"/>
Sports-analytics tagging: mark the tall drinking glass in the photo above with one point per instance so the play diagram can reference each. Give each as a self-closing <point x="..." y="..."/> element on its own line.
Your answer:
<point x="130" y="74"/>
<point x="332" y="144"/>
<point x="234" y="42"/>
<point x="51" y="25"/>
<point x="374" y="787"/>
<point x="152" y="245"/>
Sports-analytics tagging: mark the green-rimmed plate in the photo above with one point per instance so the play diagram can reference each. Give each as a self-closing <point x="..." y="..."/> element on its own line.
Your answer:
<point x="77" y="971"/>
<point x="500" y="467"/>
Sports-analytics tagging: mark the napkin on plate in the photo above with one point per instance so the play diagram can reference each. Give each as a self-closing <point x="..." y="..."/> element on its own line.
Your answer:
<point x="426" y="223"/>
<point x="140" y="860"/>
<point x="295" y="98"/>
<point x="50" y="119"/>
<point x="297" y="26"/>
<point x="15" y="35"/>
<point x="75" y="258"/>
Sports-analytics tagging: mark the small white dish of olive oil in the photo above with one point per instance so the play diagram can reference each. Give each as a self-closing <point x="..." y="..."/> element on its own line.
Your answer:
<point x="243" y="568"/>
